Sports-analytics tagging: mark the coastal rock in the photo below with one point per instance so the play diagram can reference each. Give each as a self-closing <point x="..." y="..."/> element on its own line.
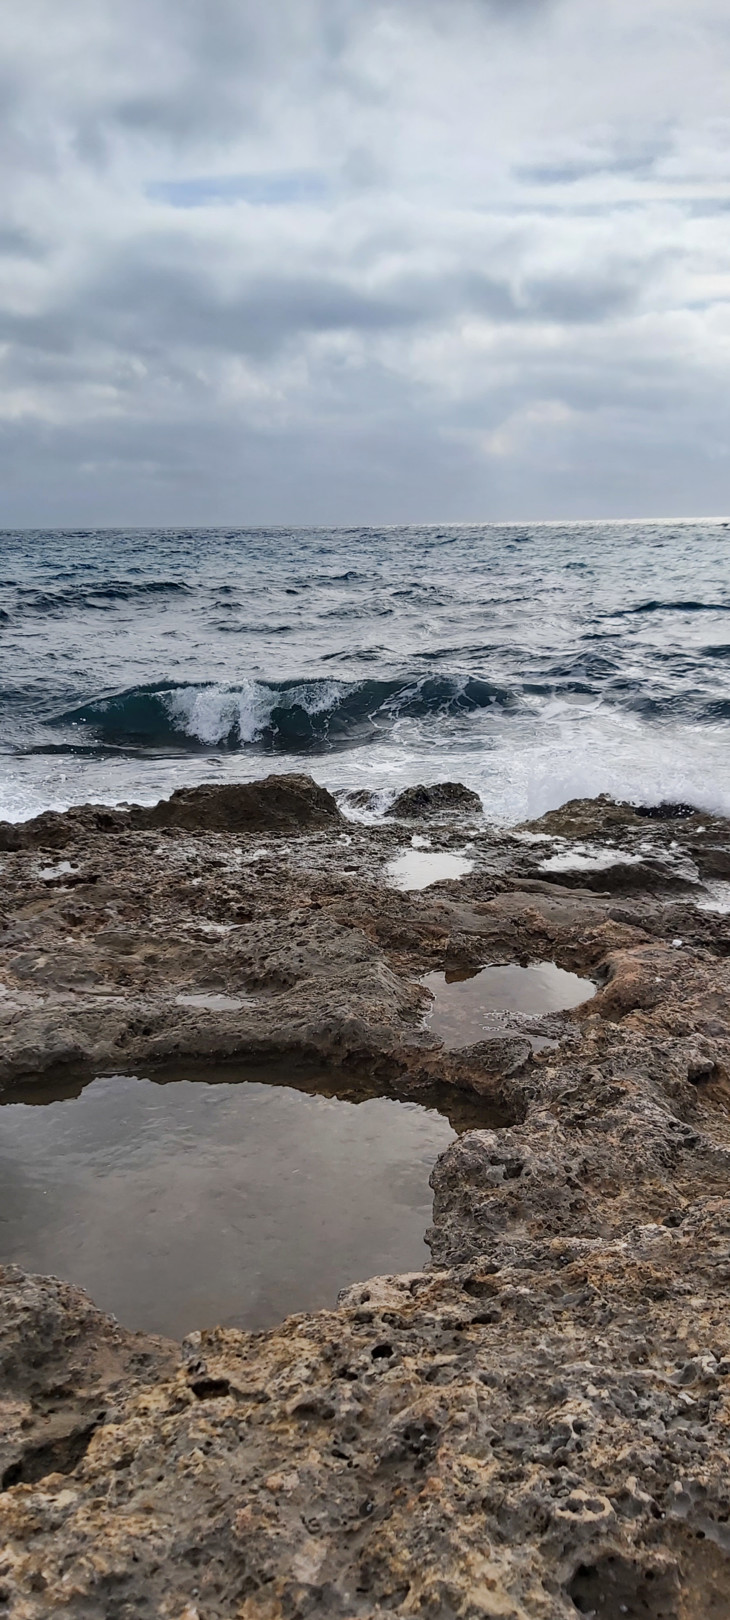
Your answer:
<point x="55" y="829"/>
<point x="512" y="1437"/>
<point x="64" y="1367"/>
<point x="276" y="804"/>
<point x="438" y="799"/>
<point x="533" y="1427"/>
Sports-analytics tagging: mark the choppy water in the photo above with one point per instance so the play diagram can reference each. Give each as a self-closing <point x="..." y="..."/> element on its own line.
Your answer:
<point x="533" y="664"/>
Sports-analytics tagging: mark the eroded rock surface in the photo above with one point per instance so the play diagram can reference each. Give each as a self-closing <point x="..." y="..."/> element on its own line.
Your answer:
<point x="438" y="799"/>
<point x="278" y="804"/>
<point x="535" y="1428"/>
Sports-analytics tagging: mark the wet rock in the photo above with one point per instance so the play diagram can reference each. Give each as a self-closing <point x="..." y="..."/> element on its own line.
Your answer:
<point x="56" y="829"/>
<point x="630" y="878"/>
<point x="667" y="810"/>
<point x="534" y="1426"/>
<point x="713" y="860"/>
<point x="591" y="818"/>
<point x="279" y="804"/>
<point x="360" y="798"/>
<point x="62" y="1366"/>
<point x="500" y="1054"/>
<point x="438" y="799"/>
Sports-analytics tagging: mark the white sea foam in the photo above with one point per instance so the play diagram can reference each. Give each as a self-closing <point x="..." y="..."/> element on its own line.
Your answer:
<point x="715" y="897"/>
<point x="212" y="713"/>
<point x="592" y="659"/>
<point x="583" y="859"/>
<point x="215" y="714"/>
<point x="520" y="776"/>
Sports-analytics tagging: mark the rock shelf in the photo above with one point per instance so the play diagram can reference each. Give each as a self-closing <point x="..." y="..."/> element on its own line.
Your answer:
<point x="534" y="1427"/>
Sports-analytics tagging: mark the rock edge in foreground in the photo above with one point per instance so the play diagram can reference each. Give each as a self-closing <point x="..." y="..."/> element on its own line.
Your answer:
<point x="533" y="1429"/>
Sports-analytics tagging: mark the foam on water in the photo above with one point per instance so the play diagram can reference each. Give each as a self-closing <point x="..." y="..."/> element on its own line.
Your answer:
<point x="535" y="665"/>
<point x="581" y="859"/>
<point x="715" y="897"/>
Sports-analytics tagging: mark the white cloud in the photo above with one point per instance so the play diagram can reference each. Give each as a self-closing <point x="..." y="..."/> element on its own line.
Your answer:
<point x="341" y="260"/>
<point x="519" y="431"/>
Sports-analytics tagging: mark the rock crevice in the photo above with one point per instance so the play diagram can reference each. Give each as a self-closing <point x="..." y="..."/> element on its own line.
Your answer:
<point x="536" y="1426"/>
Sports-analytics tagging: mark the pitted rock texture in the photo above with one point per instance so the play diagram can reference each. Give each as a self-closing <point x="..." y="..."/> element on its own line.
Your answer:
<point x="535" y="1428"/>
<point x="280" y="804"/>
<point x="438" y="799"/>
<point x="498" y="1439"/>
<point x="63" y="1366"/>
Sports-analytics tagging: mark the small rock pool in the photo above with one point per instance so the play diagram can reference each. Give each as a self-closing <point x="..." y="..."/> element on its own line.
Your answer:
<point x="418" y="868"/>
<point x="469" y="1006"/>
<point x="218" y="1195"/>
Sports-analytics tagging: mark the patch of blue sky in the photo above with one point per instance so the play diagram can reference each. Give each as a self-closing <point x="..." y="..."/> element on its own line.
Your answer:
<point x="276" y="188"/>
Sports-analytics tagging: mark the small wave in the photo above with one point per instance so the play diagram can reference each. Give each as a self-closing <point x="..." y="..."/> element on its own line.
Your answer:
<point x="100" y="598"/>
<point x="292" y="716"/>
<point x="670" y="607"/>
<point x="242" y="628"/>
<point x="346" y="578"/>
<point x="417" y="589"/>
<point x="367" y="611"/>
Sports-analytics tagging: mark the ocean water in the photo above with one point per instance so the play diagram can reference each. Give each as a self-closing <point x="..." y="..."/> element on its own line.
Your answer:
<point x="533" y="663"/>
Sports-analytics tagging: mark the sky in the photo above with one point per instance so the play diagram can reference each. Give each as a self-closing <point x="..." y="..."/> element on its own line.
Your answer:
<point x="343" y="261"/>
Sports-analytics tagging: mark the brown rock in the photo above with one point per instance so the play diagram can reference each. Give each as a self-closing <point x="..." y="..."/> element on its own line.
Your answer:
<point x="280" y="804"/>
<point x="438" y="799"/>
<point x="277" y="804"/>
<point x="535" y="1426"/>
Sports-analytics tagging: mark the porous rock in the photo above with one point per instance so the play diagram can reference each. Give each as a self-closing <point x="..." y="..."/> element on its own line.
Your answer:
<point x="277" y="804"/>
<point x="436" y="799"/>
<point x="532" y="1428"/>
<point x="287" y="803"/>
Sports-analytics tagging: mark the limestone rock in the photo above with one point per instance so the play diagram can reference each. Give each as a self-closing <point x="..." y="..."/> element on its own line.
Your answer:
<point x="533" y="1427"/>
<point x="278" y="804"/>
<point x="438" y="799"/>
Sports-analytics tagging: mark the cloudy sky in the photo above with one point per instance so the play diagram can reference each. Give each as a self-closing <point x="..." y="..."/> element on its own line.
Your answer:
<point x="332" y="261"/>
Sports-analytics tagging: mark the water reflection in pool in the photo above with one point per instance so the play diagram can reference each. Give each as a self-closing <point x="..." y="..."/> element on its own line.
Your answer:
<point x="418" y="868"/>
<point x="468" y="1007"/>
<point x="219" y="1197"/>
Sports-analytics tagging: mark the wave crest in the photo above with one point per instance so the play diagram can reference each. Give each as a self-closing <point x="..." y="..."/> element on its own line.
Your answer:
<point x="105" y="597"/>
<point x="291" y="716"/>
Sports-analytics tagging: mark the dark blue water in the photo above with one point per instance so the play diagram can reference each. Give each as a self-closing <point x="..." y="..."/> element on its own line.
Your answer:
<point x="532" y="663"/>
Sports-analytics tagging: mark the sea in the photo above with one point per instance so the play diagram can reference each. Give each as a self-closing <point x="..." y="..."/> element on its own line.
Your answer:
<point x="535" y="663"/>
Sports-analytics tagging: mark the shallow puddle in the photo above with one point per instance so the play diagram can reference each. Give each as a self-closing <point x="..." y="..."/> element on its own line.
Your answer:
<point x="210" y="1001"/>
<point x="468" y="1007"/>
<point x="181" y="1202"/>
<point x="715" y="897"/>
<point x="418" y="868"/>
<point x="62" y="869"/>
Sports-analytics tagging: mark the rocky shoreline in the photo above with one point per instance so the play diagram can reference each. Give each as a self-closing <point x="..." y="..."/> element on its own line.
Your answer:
<point x="535" y="1427"/>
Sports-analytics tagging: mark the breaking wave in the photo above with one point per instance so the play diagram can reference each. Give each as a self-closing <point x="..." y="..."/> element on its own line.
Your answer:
<point x="292" y="716"/>
<point x="532" y="665"/>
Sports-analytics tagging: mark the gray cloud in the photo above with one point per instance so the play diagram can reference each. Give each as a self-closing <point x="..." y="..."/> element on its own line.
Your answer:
<point x="348" y="261"/>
